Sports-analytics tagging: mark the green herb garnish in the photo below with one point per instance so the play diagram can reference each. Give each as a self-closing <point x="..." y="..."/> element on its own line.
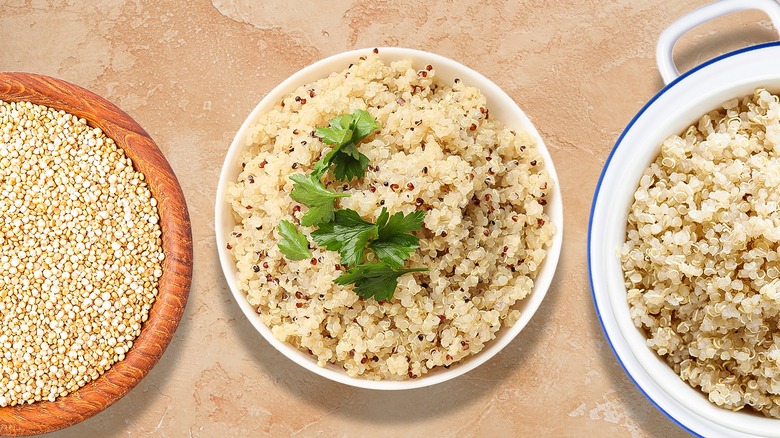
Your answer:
<point x="309" y="191"/>
<point x="344" y="133"/>
<point x="348" y="234"/>
<point x="294" y="244"/>
<point x="389" y="238"/>
<point x="344" y="230"/>
<point x="394" y="244"/>
<point x="374" y="280"/>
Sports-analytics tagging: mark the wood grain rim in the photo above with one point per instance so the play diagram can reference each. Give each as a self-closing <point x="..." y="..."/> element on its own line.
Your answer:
<point x="174" y="285"/>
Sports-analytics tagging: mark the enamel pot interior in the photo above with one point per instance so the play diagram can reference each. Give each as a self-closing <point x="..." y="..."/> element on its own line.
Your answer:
<point x="671" y="111"/>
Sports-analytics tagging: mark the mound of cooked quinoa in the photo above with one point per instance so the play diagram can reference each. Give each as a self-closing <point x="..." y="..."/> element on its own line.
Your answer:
<point x="701" y="257"/>
<point x="482" y="186"/>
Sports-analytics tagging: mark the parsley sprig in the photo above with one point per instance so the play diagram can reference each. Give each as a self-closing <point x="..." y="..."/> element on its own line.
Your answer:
<point x="374" y="280"/>
<point x="344" y="133"/>
<point x="390" y="238"/>
<point x="309" y="191"/>
<point x="394" y="243"/>
<point x="294" y="244"/>
<point x="348" y="234"/>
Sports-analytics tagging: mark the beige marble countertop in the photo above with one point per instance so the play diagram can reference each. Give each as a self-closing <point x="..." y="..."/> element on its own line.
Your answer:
<point x="190" y="71"/>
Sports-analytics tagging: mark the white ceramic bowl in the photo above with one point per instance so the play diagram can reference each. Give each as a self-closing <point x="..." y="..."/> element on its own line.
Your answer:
<point x="672" y="110"/>
<point x="502" y="107"/>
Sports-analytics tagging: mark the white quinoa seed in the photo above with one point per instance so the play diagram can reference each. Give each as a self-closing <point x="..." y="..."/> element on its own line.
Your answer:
<point x="484" y="236"/>
<point x="77" y="225"/>
<point x="701" y="257"/>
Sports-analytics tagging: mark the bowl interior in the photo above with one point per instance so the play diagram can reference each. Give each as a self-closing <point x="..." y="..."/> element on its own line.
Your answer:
<point x="174" y="284"/>
<point x="501" y="106"/>
<point x="670" y="112"/>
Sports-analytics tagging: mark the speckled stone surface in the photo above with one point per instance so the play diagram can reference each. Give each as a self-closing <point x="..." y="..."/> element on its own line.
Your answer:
<point x="190" y="71"/>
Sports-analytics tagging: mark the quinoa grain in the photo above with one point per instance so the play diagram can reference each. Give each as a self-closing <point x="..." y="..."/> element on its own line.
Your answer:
<point x="701" y="260"/>
<point x="81" y="253"/>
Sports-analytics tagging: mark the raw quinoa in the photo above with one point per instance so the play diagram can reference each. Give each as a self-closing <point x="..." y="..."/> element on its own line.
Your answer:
<point x="482" y="186"/>
<point x="701" y="259"/>
<point x="80" y="253"/>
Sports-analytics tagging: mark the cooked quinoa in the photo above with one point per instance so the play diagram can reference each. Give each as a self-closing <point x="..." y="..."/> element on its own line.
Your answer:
<point x="80" y="253"/>
<point x="482" y="186"/>
<point x="701" y="257"/>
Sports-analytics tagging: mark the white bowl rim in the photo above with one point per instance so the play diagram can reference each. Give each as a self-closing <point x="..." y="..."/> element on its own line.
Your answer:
<point x="530" y="303"/>
<point x="683" y="423"/>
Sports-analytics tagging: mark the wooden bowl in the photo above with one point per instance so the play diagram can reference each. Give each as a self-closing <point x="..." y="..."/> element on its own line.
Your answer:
<point x="174" y="285"/>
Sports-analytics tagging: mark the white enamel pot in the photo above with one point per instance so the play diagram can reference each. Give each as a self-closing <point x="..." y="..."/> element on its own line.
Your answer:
<point x="682" y="102"/>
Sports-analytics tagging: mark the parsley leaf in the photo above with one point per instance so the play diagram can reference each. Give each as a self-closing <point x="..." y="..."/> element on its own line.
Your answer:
<point x="309" y="191"/>
<point x="377" y="280"/>
<point x="336" y="134"/>
<point x="362" y="125"/>
<point x="320" y="167"/>
<point x="348" y="234"/>
<point x="394" y="244"/>
<point x="344" y="133"/>
<point x="294" y="244"/>
<point x="349" y="167"/>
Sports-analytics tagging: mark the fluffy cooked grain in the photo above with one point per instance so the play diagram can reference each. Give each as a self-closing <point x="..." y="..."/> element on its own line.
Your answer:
<point x="701" y="259"/>
<point x="484" y="238"/>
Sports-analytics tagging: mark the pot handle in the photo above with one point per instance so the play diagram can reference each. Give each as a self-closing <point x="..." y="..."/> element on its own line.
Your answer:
<point x="671" y="34"/>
